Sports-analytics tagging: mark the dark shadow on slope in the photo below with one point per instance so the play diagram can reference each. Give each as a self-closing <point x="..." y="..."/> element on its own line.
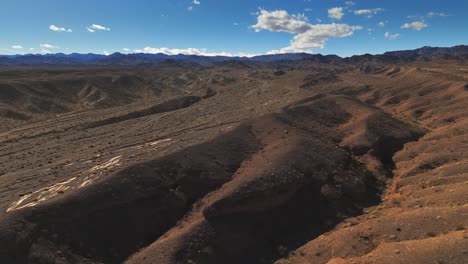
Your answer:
<point x="111" y="219"/>
<point x="171" y="105"/>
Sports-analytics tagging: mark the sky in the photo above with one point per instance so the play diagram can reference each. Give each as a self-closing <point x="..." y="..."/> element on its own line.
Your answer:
<point x="230" y="27"/>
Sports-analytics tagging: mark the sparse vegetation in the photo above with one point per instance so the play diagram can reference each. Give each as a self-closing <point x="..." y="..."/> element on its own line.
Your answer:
<point x="279" y="73"/>
<point x="234" y="157"/>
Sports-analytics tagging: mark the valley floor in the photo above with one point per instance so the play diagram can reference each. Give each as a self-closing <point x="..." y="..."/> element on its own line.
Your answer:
<point x="235" y="164"/>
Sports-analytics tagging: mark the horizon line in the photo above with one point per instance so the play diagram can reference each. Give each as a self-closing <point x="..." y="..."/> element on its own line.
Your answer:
<point x="225" y="56"/>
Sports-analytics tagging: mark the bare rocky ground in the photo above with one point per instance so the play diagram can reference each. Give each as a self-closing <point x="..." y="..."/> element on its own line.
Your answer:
<point x="235" y="163"/>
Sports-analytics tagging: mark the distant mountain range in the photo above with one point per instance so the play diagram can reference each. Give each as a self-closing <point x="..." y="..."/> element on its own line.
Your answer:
<point x="424" y="53"/>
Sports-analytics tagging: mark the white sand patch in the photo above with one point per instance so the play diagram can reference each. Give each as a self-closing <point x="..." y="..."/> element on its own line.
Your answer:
<point x="94" y="173"/>
<point x="107" y="165"/>
<point x="41" y="195"/>
<point x="159" y="141"/>
<point x="86" y="182"/>
<point x="49" y="192"/>
<point x="14" y="205"/>
<point x="153" y="144"/>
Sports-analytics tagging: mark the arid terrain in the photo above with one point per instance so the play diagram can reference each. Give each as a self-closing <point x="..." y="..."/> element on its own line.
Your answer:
<point x="311" y="160"/>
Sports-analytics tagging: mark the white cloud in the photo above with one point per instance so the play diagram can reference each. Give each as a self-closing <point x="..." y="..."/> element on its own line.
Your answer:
<point x="307" y="36"/>
<point x="190" y="8"/>
<point x="417" y="25"/>
<point x="189" y="51"/>
<point x="48" y="46"/>
<point x="350" y="3"/>
<point x="336" y="13"/>
<point x="390" y="36"/>
<point x="368" y="12"/>
<point x="59" y="29"/>
<point x="381" y="24"/>
<point x="94" y="27"/>
<point x="126" y="49"/>
<point x="45" y="48"/>
<point x="281" y="21"/>
<point x="17" y="47"/>
<point x="316" y="37"/>
<point x="106" y="52"/>
<point x="434" y="14"/>
<point x="196" y="2"/>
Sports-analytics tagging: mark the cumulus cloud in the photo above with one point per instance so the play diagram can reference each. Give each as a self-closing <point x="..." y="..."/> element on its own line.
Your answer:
<point x="336" y="13"/>
<point x="94" y="27"/>
<point x="417" y="25"/>
<point x="390" y="36"/>
<point x="316" y="37"/>
<point x="307" y="36"/>
<point x="368" y="12"/>
<point x="106" y="52"/>
<point x="189" y="51"/>
<point x="381" y="24"/>
<point x="45" y="48"/>
<point x="126" y="49"/>
<point x="350" y="3"/>
<point x="48" y="46"/>
<point x="281" y="21"/>
<point x="59" y="29"/>
<point x="194" y="2"/>
<point x="17" y="47"/>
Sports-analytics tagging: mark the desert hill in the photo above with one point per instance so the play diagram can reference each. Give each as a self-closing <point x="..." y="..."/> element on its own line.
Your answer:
<point x="302" y="159"/>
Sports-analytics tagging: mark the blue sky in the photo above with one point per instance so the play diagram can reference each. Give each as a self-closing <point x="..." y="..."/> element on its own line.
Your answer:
<point x="231" y="27"/>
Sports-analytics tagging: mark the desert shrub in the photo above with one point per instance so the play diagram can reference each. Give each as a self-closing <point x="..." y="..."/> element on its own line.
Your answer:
<point x="279" y="73"/>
